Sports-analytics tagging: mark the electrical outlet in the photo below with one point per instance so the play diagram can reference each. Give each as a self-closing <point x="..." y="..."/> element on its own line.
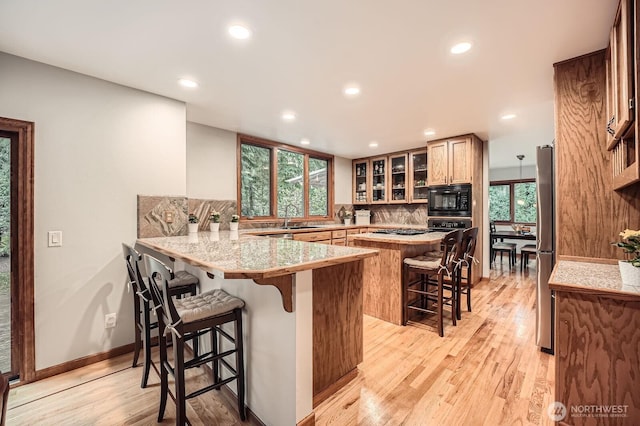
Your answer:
<point x="110" y="320"/>
<point x="168" y="216"/>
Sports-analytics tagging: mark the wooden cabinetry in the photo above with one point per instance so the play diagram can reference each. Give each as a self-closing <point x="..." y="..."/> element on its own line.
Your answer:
<point x="361" y="179"/>
<point x="418" y="176"/>
<point x="621" y="85"/>
<point x="398" y="178"/>
<point x="379" y="173"/>
<point x="449" y="161"/>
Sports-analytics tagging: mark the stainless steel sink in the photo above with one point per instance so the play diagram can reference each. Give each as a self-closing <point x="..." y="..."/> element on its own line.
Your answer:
<point x="285" y="236"/>
<point x="298" y="227"/>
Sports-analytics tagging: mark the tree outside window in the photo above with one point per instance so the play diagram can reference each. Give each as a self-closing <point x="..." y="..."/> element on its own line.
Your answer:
<point x="513" y="201"/>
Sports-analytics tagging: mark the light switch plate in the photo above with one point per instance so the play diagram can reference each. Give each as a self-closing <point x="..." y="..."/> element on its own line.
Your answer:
<point x="55" y="238"/>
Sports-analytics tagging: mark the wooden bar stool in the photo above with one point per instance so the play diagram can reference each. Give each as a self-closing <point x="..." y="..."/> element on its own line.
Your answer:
<point x="434" y="266"/>
<point x="526" y="251"/>
<point x="469" y="240"/>
<point x="203" y="313"/>
<point x="184" y="283"/>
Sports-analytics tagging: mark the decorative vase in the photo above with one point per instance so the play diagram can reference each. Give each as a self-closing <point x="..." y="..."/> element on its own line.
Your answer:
<point x="347" y="221"/>
<point x="630" y="274"/>
<point x="214" y="226"/>
<point x="193" y="228"/>
<point x="233" y="226"/>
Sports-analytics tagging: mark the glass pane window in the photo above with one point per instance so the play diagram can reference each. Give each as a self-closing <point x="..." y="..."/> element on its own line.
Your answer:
<point x="5" y="260"/>
<point x="525" y="205"/>
<point x="500" y="203"/>
<point x="256" y="181"/>
<point x="290" y="184"/>
<point x="318" y="188"/>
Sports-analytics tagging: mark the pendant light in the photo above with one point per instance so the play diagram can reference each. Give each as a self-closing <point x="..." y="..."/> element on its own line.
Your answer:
<point x="520" y="157"/>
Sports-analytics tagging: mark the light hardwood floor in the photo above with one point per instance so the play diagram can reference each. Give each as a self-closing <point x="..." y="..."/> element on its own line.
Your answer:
<point x="487" y="370"/>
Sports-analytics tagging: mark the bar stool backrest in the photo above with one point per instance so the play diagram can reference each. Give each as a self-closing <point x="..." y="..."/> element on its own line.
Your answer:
<point x="159" y="277"/>
<point x="452" y="249"/>
<point x="132" y="259"/>
<point x="469" y="240"/>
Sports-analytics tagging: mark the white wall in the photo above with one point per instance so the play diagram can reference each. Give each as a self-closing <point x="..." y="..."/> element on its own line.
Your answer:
<point x="97" y="145"/>
<point x="211" y="156"/>
<point x="511" y="173"/>
<point x="343" y="180"/>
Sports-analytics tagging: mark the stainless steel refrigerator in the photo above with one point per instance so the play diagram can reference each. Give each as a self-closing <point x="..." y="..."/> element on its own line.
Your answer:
<point x="545" y="229"/>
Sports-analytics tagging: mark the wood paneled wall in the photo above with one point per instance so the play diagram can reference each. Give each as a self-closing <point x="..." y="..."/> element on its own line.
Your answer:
<point x="589" y="213"/>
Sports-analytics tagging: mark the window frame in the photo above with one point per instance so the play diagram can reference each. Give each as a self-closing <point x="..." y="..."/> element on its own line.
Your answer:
<point x="273" y="204"/>
<point x="511" y="183"/>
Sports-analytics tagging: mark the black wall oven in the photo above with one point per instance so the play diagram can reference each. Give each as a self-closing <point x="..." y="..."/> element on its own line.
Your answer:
<point x="451" y="200"/>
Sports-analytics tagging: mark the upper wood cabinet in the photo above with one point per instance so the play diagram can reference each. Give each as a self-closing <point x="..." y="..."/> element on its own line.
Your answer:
<point x="418" y="176"/>
<point x="379" y="180"/>
<point x="621" y="78"/>
<point x="398" y="178"/>
<point x="449" y="161"/>
<point x="361" y="178"/>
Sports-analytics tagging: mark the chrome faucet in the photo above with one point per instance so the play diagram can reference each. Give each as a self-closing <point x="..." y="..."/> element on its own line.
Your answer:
<point x="286" y="213"/>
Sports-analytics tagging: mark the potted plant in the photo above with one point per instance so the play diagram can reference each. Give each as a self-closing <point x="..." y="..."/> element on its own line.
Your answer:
<point x="214" y="221"/>
<point x="193" y="223"/>
<point x="630" y="268"/>
<point x="233" y="226"/>
<point x="347" y="217"/>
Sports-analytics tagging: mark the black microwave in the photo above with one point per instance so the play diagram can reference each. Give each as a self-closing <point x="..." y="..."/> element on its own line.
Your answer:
<point x="451" y="200"/>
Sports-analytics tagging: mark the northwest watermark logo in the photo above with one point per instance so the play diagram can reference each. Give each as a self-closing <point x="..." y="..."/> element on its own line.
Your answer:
<point x="557" y="411"/>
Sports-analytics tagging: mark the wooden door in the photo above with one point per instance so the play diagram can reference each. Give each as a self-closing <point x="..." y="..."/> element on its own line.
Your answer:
<point x="437" y="163"/>
<point x="621" y="48"/>
<point x="398" y="179"/>
<point x="459" y="161"/>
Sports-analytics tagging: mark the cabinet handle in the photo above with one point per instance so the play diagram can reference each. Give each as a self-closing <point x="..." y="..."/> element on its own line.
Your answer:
<point x="451" y="179"/>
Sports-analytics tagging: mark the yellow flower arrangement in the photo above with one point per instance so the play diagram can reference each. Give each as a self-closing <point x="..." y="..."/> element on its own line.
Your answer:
<point x="630" y="244"/>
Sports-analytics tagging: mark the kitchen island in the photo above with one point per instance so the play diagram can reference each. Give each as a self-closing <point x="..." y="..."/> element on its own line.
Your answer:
<point x="597" y="339"/>
<point x="303" y="313"/>
<point x="383" y="273"/>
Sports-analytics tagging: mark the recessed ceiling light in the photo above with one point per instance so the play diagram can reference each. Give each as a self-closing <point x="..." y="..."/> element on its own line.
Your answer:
<point x="187" y="83"/>
<point x="288" y="116"/>
<point x="352" y="90"/>
<point x="460" y="48"/>
<point x="239" y="32"/>
<point x="305" y="141"/>
<point x="429" y="132"/>
<point x="508" y="117"/>
<point x="373" y="144"/>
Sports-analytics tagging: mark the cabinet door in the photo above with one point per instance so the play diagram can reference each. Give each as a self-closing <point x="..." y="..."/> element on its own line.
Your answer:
<point x="418" y="176"/>
<point x="622" y="68"/>
<point x="437" y="163"/>
<point x="459" y="161"/>
<point x="379" y="173"/>
<point x="361" y="178"/>
<point x="398" y="179"/>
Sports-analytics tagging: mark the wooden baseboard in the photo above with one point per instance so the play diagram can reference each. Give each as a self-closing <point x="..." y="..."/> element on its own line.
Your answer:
<point x="337" y="385"/>
<point x="310" y="420"/>
<point x="81" y="362"/>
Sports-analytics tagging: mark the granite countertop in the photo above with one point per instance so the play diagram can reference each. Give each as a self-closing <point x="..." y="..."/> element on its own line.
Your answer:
<point x="590" y="277"/>
<point x="231" y="254"/>
<point x="428" y="238"/>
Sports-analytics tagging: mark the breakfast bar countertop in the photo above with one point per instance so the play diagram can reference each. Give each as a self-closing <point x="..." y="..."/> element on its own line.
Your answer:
<point x="237" y="255"/>
<point x="418" y="239"/>
<point x="593" y="276"/>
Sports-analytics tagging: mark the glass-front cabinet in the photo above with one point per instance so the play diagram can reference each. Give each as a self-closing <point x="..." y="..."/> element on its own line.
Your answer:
<point x="361" y="178"/>
<point x="399" y="192"/>
<point x="418" y="176"/>
<point x="379" y="172"/>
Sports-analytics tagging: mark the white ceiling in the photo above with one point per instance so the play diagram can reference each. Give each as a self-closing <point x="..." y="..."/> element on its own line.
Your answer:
<point x="302" y="53"/>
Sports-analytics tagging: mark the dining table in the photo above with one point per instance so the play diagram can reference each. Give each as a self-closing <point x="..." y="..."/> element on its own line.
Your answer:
<point x="512" y="235"/>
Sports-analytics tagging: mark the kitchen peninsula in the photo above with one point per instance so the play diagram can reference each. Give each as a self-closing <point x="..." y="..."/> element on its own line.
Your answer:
<point x="302" y="341"/>
<point x="383" y="274"/>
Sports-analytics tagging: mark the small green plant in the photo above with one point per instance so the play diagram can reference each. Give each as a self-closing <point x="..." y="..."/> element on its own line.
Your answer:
<point x="214" y="216"/>
<point x="235" y="218"/>
<point x="193" y="218"/>
<point x="630" y="244"/>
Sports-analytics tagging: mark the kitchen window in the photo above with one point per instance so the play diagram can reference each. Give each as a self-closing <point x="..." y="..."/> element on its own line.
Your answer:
<point x="513" y="201"/>
<point x="278" y="181"/>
